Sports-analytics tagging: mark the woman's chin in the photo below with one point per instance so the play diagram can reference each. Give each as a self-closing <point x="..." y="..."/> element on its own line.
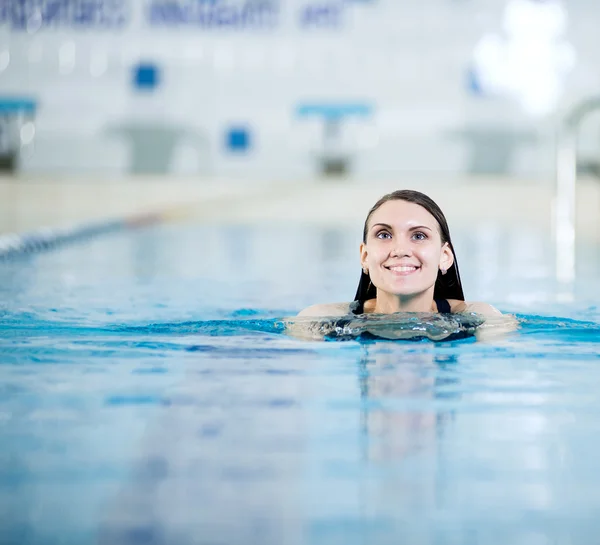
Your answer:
<point x="405" y="292"/>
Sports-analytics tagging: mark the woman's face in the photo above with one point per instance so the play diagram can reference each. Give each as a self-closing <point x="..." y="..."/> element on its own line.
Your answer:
<point x="403" y="251"/>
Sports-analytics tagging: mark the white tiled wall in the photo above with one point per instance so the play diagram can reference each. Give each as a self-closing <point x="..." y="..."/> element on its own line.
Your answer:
<point x="408" y="58"/>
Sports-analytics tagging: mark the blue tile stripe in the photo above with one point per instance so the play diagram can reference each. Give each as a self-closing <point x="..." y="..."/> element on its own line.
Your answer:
<point x="15" y="245"/>
<point x="334" y="110"/>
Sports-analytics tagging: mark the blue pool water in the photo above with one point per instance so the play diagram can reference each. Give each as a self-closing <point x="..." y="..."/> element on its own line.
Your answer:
<point x="149" y="396"/>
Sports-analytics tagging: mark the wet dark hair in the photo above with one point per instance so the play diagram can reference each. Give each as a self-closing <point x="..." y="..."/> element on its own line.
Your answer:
<point x="447" y="286"/>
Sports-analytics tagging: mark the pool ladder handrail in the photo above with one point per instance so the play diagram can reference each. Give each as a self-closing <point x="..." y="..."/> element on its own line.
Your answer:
<point x="566" y="188"/>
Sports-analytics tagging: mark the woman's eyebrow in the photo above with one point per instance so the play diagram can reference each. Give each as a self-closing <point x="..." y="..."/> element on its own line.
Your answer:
<point x="386" y="226"/>
<point x="420" y="227"/>
<point x="381" y="225"/>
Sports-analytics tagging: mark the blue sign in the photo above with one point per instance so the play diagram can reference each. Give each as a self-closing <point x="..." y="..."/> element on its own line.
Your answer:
<point x="322" y="14"/>
<point x="326" y="13"/>
<point x="21" y="14"/>
<point x="146" y="76"/>
<point x="238" y="139"/>
<point x="232" y="14"/>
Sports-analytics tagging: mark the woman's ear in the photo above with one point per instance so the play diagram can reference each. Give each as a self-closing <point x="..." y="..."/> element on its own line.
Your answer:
<point x="446" y="258"/>
<point x="363" y="256"/>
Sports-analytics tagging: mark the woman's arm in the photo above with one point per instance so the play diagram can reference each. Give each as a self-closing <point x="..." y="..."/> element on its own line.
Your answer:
<point x="483" y="309"/>
<point x="495" y="325"/>
<point x="305" y="325"/>
<point x="328" y="309"/>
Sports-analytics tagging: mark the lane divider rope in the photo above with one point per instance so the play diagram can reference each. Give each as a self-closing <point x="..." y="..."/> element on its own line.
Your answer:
<point x="46" y="238"/>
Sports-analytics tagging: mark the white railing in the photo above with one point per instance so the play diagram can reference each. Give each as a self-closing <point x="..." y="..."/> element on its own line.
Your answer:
<point x="566" y="189"/>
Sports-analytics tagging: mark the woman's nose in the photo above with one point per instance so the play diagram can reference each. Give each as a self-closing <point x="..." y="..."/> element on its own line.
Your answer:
<point x="401" y="248"/>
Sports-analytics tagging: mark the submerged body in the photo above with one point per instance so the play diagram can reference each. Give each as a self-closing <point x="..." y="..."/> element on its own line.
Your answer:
<point x="345" y="321"/>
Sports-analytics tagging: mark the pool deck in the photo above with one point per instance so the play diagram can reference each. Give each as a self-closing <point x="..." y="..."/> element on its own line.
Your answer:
<point x="28" y="204"/>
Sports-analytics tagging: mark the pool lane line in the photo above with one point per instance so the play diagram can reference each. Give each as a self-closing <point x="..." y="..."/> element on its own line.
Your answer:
<point x="47" y="238"/>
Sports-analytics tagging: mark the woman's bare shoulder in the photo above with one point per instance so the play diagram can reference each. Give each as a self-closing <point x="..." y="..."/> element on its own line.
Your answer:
<point x="495" y="323"/>
<point x="484" y="309"/>
<point x="327" y="309"/>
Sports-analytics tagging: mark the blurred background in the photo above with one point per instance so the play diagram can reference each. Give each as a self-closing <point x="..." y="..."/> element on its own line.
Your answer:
<point x="114" y="106"/>
<point x="293" y="89"/>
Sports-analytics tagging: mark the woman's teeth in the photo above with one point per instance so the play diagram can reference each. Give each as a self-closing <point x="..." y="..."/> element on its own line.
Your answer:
<point x="403" y="269"/>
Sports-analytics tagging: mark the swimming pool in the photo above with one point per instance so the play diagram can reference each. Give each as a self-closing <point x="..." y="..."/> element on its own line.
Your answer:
<point x="148" y="396"/>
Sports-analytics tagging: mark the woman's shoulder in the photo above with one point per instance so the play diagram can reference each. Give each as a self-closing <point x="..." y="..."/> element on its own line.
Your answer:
<point x="327" y="309"/>
<point x="343" y="309"/>
<point x="457" y="306"/>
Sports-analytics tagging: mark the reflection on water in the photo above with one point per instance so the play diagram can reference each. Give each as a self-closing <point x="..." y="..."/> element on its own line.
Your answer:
<point x="389" y="375"/>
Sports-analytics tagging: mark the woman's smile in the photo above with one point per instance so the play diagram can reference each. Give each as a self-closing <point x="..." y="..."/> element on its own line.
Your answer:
<point x="402" y="269"/>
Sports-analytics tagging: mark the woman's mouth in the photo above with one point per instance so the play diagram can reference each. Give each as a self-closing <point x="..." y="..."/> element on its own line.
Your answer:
<point x="403" y="270"/>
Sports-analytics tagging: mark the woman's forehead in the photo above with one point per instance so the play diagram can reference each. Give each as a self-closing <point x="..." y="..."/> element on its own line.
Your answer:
<point x="402" y="213"/>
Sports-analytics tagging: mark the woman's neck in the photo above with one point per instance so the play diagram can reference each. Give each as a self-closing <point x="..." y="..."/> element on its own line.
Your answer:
<point x="386" y="303"/>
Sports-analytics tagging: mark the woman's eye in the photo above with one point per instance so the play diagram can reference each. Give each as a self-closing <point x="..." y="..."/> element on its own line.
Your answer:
<point x="419" y="235"/>
<point x="383" y="234"/>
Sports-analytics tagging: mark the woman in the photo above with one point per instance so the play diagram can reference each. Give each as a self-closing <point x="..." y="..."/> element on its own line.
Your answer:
<point x="408" y="263"/>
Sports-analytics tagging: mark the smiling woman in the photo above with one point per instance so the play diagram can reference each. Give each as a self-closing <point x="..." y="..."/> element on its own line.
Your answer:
<point x="408" y="263"/>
